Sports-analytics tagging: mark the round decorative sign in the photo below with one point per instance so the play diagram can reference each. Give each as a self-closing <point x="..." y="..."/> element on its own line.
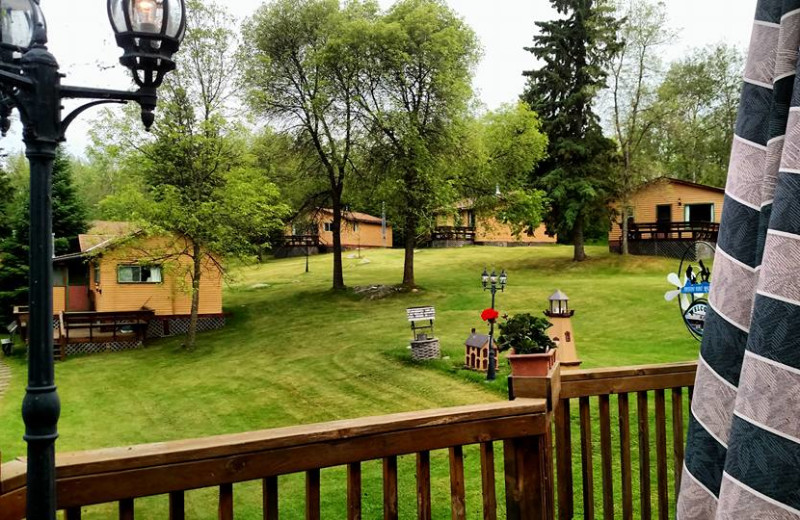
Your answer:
<point x="692" y="286"/>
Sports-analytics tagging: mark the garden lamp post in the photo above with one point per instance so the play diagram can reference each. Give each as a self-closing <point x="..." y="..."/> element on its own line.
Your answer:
<point x="149" y="32"/>
<point x="492" y="282"/>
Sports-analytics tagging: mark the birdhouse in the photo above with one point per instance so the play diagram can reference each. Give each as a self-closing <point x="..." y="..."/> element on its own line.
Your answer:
<point x="560" y="315"/>
<point x="476" y="354"/>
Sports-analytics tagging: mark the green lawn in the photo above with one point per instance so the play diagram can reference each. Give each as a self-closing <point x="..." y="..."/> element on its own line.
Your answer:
<point x="294" y="353"/>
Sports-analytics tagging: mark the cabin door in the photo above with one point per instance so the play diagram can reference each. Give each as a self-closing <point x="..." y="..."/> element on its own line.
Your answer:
<point x="663" y="220"/>
<point x="78" y="288"/>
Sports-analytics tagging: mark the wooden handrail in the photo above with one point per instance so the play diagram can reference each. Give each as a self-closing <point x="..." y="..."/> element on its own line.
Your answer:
<point x="641" y="388"/>
<point x="123" y="474"/>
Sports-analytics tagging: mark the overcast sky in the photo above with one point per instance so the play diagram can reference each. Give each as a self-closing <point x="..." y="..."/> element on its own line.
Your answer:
<point x="82" y="41"/>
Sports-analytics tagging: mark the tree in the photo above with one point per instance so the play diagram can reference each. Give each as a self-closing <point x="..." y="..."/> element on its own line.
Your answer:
<point x="635" y="72"/>
<point x="197" y="183"/>
<point x="700" y="97"/>
<point x="290" y="83"/>
<point x="411" y="72"/>
<point x="577" y="50"/>
<point x="69" y="220"/>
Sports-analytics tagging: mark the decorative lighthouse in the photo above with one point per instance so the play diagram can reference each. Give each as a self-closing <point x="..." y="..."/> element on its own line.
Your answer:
<point x="560" y="315"/>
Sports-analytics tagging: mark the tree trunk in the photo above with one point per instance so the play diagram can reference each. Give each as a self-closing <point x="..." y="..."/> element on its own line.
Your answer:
<point x="197" y="264"/>
<point x="625" y="230"/>
<point x="410" y="244"/>
<point x="578" y="241"/>
<point x="336" y="229"/>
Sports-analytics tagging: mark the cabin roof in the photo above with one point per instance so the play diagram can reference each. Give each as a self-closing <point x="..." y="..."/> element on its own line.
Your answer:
<point x="673" y="180"/>
<point x="355" y="216"/>
<point x="559" y="296"/>
<point x="477" y="340"/>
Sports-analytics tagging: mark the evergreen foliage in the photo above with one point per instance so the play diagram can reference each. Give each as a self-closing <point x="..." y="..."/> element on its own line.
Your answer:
<point x="579" y="173"/>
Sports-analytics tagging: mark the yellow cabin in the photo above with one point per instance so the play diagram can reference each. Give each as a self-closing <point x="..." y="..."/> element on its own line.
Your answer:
<point x="467" y="227"/>
<point x="359" y="230"/>
<point x="122" y="287"/>
<point x="666" y="215"/>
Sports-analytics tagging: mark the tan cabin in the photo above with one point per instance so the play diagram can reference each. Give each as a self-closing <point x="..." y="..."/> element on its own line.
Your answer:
<point x="359" y="230"/>
<point x="667" y="213"/>
<point x="467" y="227"/>
<point x="123" y="286"/>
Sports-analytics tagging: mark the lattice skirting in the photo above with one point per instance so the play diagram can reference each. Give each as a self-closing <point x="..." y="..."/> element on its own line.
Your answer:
<point x="425" y="349"/>
<point x="670" y="249"/>
<point x="176" y="326"/>
<point x="79" y="349"/>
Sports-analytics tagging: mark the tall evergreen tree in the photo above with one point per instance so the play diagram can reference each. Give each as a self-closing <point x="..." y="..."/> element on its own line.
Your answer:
<point x="577" y="50"/>
<point x="69" y="220"/>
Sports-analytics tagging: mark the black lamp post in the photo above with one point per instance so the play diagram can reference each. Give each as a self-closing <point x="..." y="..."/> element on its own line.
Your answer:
<point x="150" y="32"/>
<point x="492" y="283"/>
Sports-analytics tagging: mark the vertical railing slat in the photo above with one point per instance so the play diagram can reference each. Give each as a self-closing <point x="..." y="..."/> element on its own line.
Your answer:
<point x="73" y="513"/>
<point x="126" y="509"/>
<point x="586" y="458"/>
<point x="177" y="505"/>
<point x="354" y="491"/>
<point x="458" y="506"/>
<point x="525" y="478"/>
<point x="225" y="501"/>
<point x="625" y="456"/>
<point x="566" y="503"/>
<point x="390" y="488"/>
<point x="312" y="495"/>
<point x="488" y="481"/>
<point x="661" y="456"/>
<point x="644" y="455"/>
<point x="424" y="485"/>
<point x="605" y="457"/>
<point x="269" y="497"/>
<point x="677" y="436"/>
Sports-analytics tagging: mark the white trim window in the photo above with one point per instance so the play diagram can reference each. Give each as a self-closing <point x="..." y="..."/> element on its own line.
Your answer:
<point x="327" y="226"/>
<point x="139" y="274"/>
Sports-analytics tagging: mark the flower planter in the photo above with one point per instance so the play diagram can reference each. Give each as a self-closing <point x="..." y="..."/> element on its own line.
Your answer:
<point x="531" y="365"/>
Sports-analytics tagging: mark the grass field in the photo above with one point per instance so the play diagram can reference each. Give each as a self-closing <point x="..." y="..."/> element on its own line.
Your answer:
<point x="294" y="353"/>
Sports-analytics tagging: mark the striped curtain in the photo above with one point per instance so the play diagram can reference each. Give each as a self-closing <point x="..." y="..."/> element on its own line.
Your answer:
<point x="743" y="449"/>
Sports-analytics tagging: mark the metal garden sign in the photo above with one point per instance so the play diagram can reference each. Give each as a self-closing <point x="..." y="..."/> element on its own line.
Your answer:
<point x="692" y="285"/>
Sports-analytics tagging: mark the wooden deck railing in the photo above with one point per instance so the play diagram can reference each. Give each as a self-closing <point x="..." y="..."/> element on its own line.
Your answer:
<point x="462" y="233"/>
<point x="300" y="241"/>
<point x="629" y="386"/>
<point x="123" y="475"/>
<point x="689" y="231"/>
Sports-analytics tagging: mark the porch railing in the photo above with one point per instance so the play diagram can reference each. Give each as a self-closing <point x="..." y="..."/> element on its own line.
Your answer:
<point x="460" y="233"/>
<point x="300" y="241"/>
<point x="123" y="475"/>
<point x="689" y="231"/>
<point x="603" y="399"/>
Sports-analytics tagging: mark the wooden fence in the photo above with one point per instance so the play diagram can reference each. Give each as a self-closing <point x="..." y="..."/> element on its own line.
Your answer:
<point x="124" y="474"/>
<point x="589" y="393"/>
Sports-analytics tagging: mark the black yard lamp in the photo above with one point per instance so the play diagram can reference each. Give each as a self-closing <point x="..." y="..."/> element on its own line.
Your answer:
<point x="150" y="32"/>
<point x="493" y="283"/>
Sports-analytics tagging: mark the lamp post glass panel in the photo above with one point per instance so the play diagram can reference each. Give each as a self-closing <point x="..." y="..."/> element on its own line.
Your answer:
<point x="150" y="32"/>
<point x="492" y="282"/>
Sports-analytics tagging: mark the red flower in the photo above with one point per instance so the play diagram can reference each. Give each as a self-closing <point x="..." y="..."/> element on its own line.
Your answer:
<point x="489" y="315"/>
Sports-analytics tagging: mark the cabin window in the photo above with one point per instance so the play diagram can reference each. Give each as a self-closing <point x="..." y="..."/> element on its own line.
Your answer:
<point x="96" y="272"/>
<point x="327" y="226"/>
<point x="355" y="227"/>
<point x="139" y="274"/>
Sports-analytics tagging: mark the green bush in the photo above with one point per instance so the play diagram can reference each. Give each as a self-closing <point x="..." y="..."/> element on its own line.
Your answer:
<point x="526" y="334"/>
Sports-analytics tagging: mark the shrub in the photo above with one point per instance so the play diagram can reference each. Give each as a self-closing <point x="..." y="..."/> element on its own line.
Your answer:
<point x="526" y="334"/>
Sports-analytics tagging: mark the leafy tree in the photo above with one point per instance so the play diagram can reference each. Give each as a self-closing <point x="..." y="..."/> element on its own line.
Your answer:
<point x="635" y="72"/>
<point x="197" y="181"/>
<point x="410" y="70"/>
<point x="311" y="98"/>
<point x="700" y="96"/>
<point x="576" y="50"/>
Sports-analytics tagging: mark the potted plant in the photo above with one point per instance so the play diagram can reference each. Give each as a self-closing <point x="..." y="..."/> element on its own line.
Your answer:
<point x="532" y="352"/>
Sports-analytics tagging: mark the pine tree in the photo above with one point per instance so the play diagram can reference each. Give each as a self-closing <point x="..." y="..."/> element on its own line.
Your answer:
<point x="578" y="175"/>
<point x="69" y="220"/>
